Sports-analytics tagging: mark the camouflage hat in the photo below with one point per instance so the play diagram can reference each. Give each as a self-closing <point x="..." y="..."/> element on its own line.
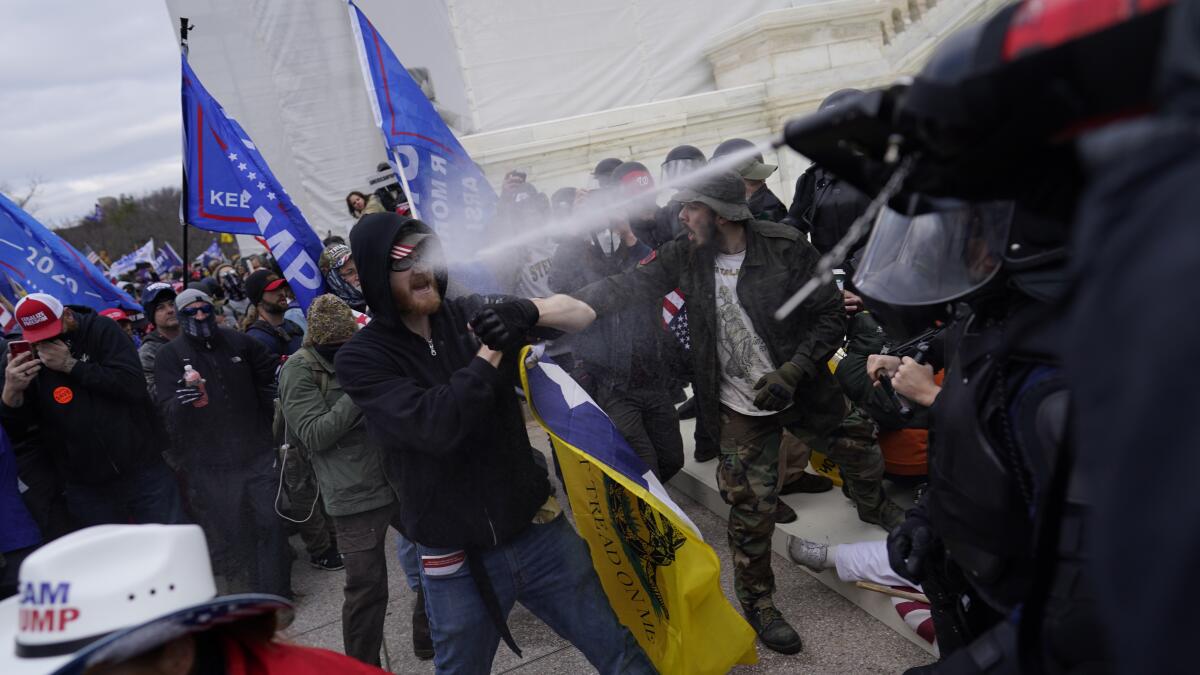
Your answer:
<point x="723" y="192"/>
<point x="330" y="321"/>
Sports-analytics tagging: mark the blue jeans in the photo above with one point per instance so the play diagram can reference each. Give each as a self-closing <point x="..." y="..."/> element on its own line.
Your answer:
<point x="547" y="569"/>
<point x="149" y="495"/>
<point x="410" y="562"/>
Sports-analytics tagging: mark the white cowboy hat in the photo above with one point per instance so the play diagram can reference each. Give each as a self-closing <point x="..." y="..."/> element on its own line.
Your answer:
<point x="107" y="593"/>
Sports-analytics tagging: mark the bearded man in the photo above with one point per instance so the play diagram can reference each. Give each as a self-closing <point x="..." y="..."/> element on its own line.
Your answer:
<point x="269" y="296"/>
<point x="477" y="506"/>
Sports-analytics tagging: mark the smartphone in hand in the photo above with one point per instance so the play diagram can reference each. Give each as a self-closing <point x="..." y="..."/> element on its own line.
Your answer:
<point x="18" y="347"/>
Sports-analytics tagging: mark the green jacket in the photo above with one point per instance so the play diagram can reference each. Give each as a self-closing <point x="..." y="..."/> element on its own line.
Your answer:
<point x="866" y="337"/>
<point x="778" y="262"/>
<point x="325" y="424"/>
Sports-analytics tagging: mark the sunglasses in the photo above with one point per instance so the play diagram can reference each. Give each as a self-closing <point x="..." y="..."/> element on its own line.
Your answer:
<point x="193" y="311"/>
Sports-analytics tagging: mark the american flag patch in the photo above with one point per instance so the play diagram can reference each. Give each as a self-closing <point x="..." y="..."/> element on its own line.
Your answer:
<point x="400" y="251"/>
<point x="675" y="318"/>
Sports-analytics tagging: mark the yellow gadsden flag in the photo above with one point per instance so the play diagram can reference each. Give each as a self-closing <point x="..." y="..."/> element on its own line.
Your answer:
<point x="660" y="576"/>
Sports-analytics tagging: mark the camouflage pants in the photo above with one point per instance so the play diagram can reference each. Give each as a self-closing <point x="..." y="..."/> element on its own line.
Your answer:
<point x="854" y="441"/>
<point x="748" y="476"/>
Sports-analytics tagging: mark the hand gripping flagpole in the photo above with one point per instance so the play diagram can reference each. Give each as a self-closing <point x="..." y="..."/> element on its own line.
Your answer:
<point x="184" y="27"/>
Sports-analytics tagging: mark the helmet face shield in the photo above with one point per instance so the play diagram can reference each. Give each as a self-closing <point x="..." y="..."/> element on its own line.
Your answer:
<point x="936" y="257"/>
<point x="678" y="168"/>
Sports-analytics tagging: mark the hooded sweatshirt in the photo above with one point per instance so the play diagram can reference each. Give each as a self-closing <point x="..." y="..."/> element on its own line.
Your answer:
<point x="452" y="433"/>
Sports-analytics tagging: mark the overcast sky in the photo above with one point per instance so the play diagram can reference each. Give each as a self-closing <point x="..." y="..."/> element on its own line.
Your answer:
<point x="89" y="101"/>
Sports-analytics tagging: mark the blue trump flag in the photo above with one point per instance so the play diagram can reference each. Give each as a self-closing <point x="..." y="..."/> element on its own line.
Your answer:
<point x="230" y="189"/>
<point x="446" y="188"/>
<point x="166" y="258"/>
<point x="40" y="261"/>
<point x="213" y="252"/>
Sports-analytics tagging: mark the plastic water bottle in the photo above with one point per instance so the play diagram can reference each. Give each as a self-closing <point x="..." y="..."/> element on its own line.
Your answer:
<point x="191" y="378"/>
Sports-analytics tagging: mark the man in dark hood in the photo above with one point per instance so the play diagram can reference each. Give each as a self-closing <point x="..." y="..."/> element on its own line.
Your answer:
<point x="472" y="498"/>
<point x="221" y="431"/>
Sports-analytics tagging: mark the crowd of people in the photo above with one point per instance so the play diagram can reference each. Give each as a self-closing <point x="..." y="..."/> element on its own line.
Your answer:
<point x="934" y="357"/>
<point x="227" y="405"/>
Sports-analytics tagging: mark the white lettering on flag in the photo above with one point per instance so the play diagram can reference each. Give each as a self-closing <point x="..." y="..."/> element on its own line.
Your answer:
<point x="411" y="164"/>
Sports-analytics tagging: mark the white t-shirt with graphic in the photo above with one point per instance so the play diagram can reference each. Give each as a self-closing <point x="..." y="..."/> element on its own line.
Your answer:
<point x="741" y="353"/>
<point x="533" y="281"/>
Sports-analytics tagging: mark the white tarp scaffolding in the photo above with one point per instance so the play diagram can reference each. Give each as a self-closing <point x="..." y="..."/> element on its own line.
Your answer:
<point x="288" y="71"/>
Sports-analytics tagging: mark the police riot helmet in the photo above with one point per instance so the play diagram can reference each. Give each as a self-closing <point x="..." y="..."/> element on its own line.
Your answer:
<point x="838" y="97"/>
<point x="935" y="257"/>
<point x="681" y="161"/>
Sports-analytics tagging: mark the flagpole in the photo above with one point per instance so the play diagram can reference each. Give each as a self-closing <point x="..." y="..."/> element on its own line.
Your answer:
<point x="184" y="27"/>
<point x="412" y="205"/>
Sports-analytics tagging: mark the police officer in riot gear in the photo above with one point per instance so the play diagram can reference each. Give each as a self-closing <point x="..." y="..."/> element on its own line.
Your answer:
<point x="998" y="540"/>
<point x="823" y="206"/>
<point x="1106" y="93"/>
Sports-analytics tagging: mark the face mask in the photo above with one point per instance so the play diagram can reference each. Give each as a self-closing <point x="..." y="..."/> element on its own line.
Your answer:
<point x="608" y="241"/>
<point x="328" y="352"/>
<point x="341" y="288"/>
<point x="233" y="287"/>
<point x="197" y="328"/>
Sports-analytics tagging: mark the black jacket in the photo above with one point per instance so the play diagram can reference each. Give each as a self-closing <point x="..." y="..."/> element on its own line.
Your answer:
<point x="778" y="262"/>
<point x="239" y="377"/>
<point x="766" y="206"/>
<point x="283" y="340"/>
<point x="623" y="348"/>
<point x="825" y="207"/>
<point x="147" y="352"/>
<point x="97" y="420"/>
<point x="451" y="429"/>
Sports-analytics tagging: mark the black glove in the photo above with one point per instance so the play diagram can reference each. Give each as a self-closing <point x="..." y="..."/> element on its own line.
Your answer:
<point x="504" y="326"/>
<point x="187" y="395"/>
<point x="909" y="545"/>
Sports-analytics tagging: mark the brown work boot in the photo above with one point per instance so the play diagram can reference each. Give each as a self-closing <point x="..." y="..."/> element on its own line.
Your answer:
<point x="774" y="631"/>
<point x="421" y="638"/>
